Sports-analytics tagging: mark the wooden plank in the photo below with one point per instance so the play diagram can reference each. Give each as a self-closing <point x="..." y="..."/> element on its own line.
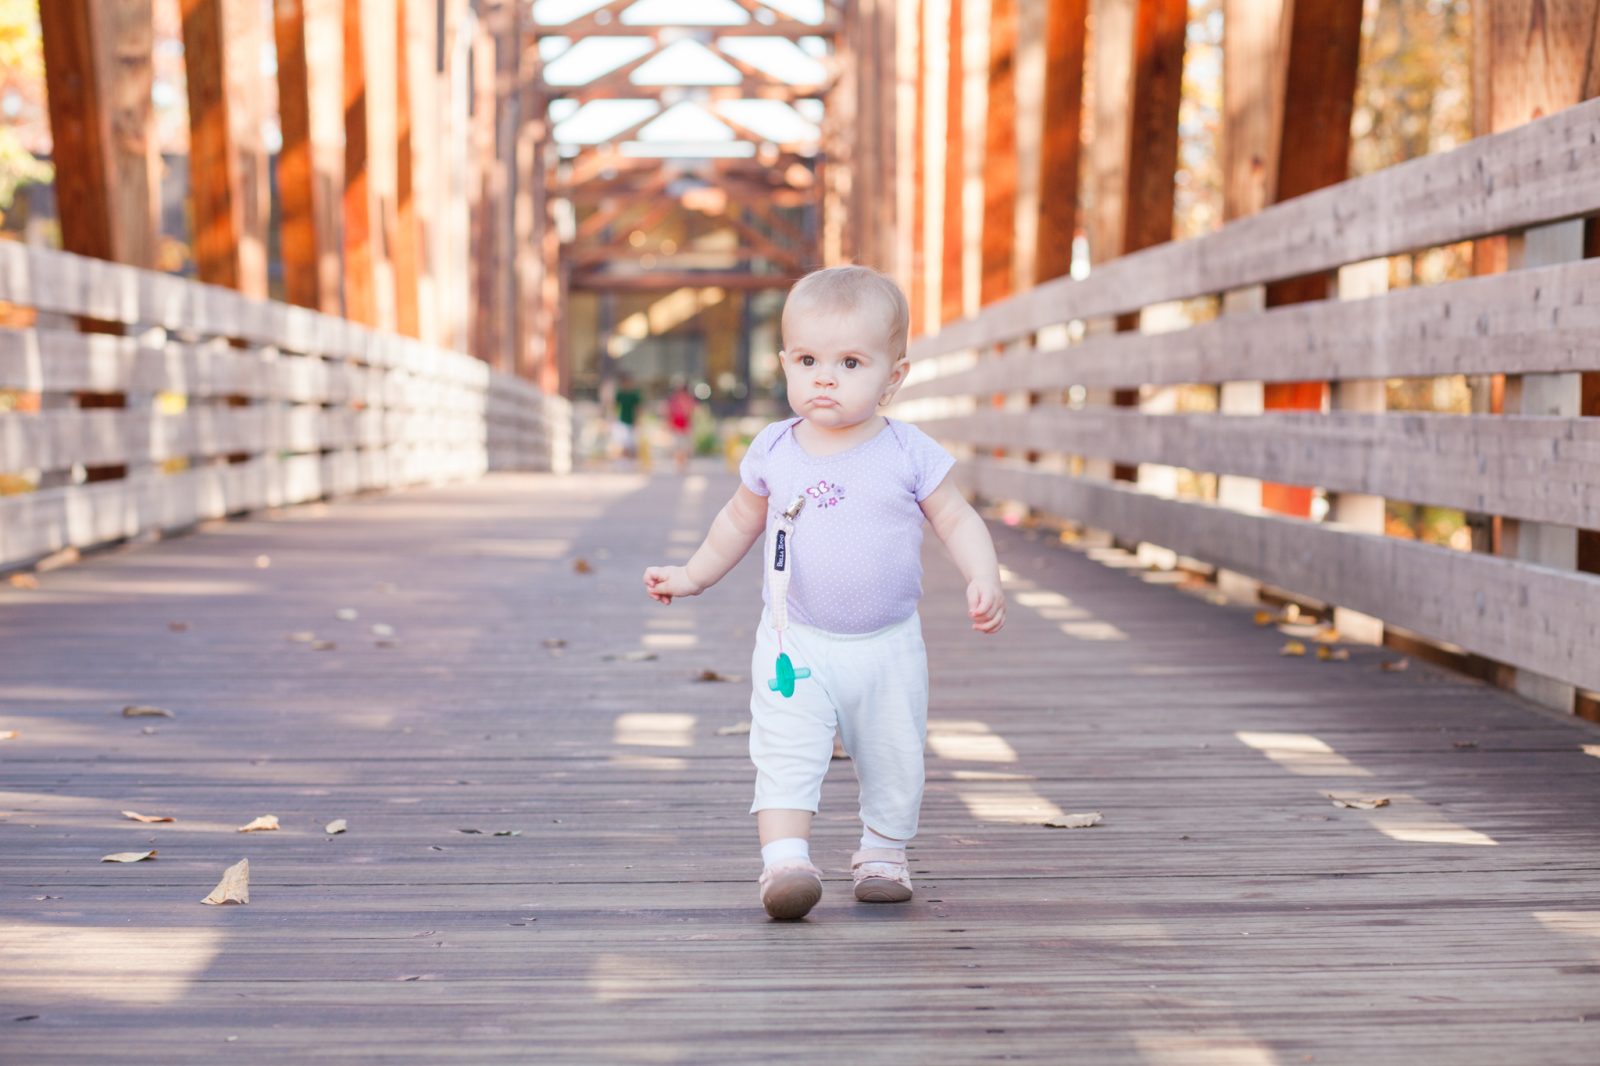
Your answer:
<point x="1066" y="38"/>
<point x="1535" y="320"/>
<point x="309" y="161"/>
<point x="952" y="274"/>
<point x="97" y="74"/>
<point x="1546" y="469"/>
<point x="1519" y="613"/>
<point x="1526" y="176"/>
<point x="228" y="165"/>
<point x="997" y="275"/>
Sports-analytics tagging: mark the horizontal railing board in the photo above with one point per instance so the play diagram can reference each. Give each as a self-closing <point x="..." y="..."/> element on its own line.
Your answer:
<point x="1539" y="468"/>
<point x="1531" y="175"/>
<point x="1529" y="616"/>
<point x="1544" y="320"/>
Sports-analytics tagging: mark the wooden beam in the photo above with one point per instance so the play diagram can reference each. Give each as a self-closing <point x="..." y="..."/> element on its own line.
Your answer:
<point x="97" y="59"/>
<point x="1065" y="42"/>
<point x="227" y="158"/>
<point x="952" y="296"/>
<point x="997" y="277"/>
<point x="657" y="280"/>
<point x="405" y="251"/>
<point x="360" y="297"/>
<point x="307" y="34"/>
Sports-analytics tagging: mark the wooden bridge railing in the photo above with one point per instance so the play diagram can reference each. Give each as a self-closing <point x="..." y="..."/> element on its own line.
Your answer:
<point x="230" y="404"/>
<point x="988" y="384"/>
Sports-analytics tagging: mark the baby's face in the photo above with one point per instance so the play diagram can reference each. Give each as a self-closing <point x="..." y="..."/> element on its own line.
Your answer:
<point x="839" y="366"/>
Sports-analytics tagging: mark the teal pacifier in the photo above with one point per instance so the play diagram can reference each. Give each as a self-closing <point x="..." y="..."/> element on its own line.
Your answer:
<point x="787" y="676"/>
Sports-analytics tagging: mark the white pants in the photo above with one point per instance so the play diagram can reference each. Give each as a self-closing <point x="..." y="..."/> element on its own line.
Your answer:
<point x="874" y="688"/>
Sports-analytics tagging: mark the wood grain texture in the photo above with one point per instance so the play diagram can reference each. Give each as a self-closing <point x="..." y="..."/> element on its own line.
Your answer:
<point x="621" y="925"/>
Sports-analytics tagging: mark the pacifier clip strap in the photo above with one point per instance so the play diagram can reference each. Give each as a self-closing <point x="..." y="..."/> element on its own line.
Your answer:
<point x="780" y="566"/>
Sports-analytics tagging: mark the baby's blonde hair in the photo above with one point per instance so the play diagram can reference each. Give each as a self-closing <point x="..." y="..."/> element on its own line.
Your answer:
<point x="847" y="288"/>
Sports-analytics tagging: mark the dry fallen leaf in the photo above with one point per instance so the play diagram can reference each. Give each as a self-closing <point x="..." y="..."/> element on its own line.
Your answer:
<point x="640" y="656"/>
<point x="148" y="817"/>
<point x="178" y="627"/>
<point x="346" y="614"/>
<point x="260" y="825"/>
<point x="508" y="832"/>
<point x="1466" y="744"/>
<point x="712" y="675"/>
<point x="24" y="581"/>
<point x="581" y="566"/>
<point x="737" y="729"/>
<point x="304" y="636"/>
<point x="1359" y="803"/>
<point x="1076" y="821"/>
<point x="234" y="886"/>
<point x="1329" y="635"/>
<point x="137" y="711"/>
<point x="555" y="642"/>
<point x="1267" y="618"/>
<point x="1396" y="666"/>
<point x="130" y="856"/>
<point x="385" y="644"/>
<point x="338" y="825"/>
<point x="1293" y="647"/>
<point x="323" y="645"/>
<point x="474" y="832"/>
<point x="1336" y="655"/>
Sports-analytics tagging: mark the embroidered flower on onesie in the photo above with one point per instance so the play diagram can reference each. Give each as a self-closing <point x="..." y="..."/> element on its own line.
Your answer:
<point x="854" y="569"/>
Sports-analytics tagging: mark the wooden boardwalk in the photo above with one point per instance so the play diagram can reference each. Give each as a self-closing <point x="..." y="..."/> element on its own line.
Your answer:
<point x="1225" y="911"/>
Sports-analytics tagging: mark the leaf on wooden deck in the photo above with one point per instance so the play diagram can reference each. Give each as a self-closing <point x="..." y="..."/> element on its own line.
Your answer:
<point x="234" y="886"/>
<point x="636" y="656"/>
<point x="1332" y="655"/>
<point x="1293" y="647"/>
<point x="148" y="818"/>
<point x="508" y="832"/>
<point x="473" y="832"/>
<point x="581" y="566"/>
<point x="178" y="627"/>
<point x="1269" y="618"/>
<point x="304" y="636"/>
<point x="264" y="823"/>
<point x="1465" y="745"/>
<point x="338" y="825"/>
<point x="1359" y="803"/>
<point x="346" y="614"/>
<point x="134" y="710"/>
<point x="737" y="729"/>
<point x="712" y="675"/>
<point x="24" y="581"/>
<point x="1329" y="635"/>
<point x="1396" y="665"/>
<point x="130" y="856"/>
<point x="1076" y="821"/>
<point x="323" y="645"/>
<point x="382" y="629"/>
<point x="554" y="642"/>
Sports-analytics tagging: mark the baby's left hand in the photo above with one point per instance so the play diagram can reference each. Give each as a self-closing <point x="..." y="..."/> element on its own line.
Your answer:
<point x="986" y="605"/>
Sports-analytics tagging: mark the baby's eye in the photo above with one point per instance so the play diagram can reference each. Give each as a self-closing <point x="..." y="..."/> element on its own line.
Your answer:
<point x="806" y="360"/>
<point x="851" y="364"/>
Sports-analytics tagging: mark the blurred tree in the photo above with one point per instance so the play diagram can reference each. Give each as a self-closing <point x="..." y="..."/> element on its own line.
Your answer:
<point x="21" y="99"/>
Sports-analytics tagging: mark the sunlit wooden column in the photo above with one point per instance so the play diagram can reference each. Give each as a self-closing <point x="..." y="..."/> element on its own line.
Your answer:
<point x="227" y="157"/>
<point x="404" y="249"/>
<point x="1532" y="59"/>
<point x="423" y="47"/>
<point x="532" y="216"/>
<point x="952" y="254"/>
<point x="908" y="153"/>
<point x="309" y="39"/>
<point x="450" y="250"/>
<point x="97" y="59"/>
<point x="916" y="176"/>
<point x="997" y="273"/>
<point x="1065" y="38"/>
<point x="360" y="297"/>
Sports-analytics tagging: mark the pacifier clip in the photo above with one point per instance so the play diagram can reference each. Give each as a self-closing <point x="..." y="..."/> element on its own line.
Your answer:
<point x="780" y="565"/>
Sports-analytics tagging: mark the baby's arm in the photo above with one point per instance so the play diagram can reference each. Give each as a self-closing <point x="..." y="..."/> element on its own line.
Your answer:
<point x="734" y="530"/>
<point x="969" y="543"/>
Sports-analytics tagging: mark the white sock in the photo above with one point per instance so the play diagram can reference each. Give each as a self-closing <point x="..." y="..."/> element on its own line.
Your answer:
<point x="784" y="850"/>
<point x="869" y="839"/>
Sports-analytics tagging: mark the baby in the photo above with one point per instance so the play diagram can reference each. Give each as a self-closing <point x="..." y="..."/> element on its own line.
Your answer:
<point x="841" y="493"/>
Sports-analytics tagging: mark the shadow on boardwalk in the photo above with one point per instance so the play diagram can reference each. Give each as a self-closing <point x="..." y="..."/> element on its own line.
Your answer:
<point x="1225" y="912"/>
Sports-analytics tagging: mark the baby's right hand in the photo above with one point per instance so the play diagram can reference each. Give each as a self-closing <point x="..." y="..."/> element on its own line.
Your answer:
<point x="664" y="582"/>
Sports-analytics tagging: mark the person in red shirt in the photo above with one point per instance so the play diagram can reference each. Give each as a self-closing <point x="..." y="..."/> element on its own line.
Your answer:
<point x="680" y="420"/>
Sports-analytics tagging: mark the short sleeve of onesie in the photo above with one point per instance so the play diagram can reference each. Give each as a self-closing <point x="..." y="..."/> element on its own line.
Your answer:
<point x="753" y="467"/>
<point x="929" y="462"/>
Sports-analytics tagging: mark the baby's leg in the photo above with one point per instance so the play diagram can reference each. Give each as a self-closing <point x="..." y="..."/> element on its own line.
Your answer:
<point x="883" y="715"/>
